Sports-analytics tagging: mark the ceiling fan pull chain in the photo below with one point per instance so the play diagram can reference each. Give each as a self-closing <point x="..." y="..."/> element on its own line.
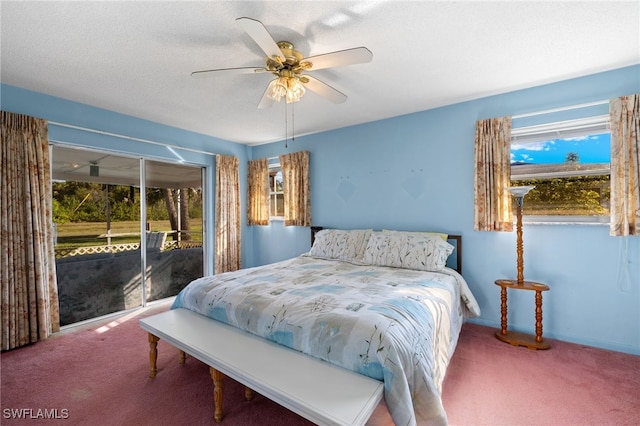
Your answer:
<point x="293" y="122"/>
<point x="286" y="126"/>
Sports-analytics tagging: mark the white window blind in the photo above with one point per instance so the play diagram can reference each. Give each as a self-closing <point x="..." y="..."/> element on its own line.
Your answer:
<point x="561" y="130"/>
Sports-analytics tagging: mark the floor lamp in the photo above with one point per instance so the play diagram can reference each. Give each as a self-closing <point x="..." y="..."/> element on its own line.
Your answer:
<point x="513" y="337"/>
<point x="519" y="192"/>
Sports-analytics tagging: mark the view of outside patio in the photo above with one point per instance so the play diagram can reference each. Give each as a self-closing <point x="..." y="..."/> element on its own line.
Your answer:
<point x="97" y="218"/>
<point x="100" y="218"/>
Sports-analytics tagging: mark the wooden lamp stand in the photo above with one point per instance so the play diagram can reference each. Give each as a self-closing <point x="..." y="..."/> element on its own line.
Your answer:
<point x="513" y="337"/>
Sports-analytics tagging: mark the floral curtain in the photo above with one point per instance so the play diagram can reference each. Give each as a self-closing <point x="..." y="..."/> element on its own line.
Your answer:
<point x="297" y="194"/>
<point x="624" y="115"/>
<point x="30" y="310"/>
<point x="258" y="192"/>
<point x="492" y="175"/>
<point x="228" y="240"/>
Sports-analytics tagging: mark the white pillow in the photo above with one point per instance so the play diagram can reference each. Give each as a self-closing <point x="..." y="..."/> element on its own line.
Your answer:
<point x="407" y="250"/>
<point x="340" y="244"/>
<point x="444" y="237"/>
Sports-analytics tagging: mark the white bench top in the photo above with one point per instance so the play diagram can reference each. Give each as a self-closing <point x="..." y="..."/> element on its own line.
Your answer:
<point x="318" y="391"/>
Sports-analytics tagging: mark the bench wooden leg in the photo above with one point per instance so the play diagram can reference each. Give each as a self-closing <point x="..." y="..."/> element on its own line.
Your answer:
<point x="153" y="354"/>
<point x="182" y="357"/>
<point x="248" y="393"/>
<point x="217" y="393"/>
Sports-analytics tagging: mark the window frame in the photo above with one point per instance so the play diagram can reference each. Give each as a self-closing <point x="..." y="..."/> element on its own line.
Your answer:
<point x="595" y="124"/>
<point x="273" y="193"/>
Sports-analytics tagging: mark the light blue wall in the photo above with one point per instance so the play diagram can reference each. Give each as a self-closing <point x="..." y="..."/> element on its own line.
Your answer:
<point x="197" y="146"/>
<point x="415" y="172"/>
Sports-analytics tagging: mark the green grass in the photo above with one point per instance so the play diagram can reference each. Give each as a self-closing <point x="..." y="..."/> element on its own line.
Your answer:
<point x="85" y="234"/>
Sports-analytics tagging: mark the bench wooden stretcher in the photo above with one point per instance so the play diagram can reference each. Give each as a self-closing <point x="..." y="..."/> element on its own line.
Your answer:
<point x="318" y="391"/>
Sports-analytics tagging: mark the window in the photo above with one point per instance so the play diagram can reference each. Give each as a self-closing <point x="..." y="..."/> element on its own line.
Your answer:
<point x="276" y="194"/>
<point x="568" y="162"/>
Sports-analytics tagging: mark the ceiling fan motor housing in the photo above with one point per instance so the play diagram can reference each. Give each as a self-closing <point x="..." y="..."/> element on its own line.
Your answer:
<point x="291" y="64"/>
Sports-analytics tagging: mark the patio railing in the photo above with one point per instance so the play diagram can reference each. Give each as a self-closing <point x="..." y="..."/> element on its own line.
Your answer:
<point x="118" y="248"/>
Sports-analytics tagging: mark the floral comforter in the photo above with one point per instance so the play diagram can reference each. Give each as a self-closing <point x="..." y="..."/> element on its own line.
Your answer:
<point x="397" y="325"/>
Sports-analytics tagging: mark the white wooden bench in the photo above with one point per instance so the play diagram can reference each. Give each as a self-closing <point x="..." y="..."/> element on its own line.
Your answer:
<point x="318" y="391"/>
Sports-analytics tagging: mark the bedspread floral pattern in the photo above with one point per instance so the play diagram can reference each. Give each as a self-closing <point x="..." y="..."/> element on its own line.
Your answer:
<point x="392" y="324"/>
<point x="407" y="250"/>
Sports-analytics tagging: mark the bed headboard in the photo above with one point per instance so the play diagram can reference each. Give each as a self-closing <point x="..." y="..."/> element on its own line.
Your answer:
<point x="314" y="231"/>
<point x="454" y="239"/>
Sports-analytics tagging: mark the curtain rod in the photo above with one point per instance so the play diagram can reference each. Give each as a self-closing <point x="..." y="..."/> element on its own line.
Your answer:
<point x="101" y="132"/>
<point x="548" y="111"/>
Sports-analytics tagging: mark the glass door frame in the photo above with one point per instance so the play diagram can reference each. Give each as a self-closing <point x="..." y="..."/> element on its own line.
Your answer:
<point x="142" y="178"/>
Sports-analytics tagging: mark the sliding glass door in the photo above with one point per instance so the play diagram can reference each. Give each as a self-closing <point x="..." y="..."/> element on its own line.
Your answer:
<point x="128" y="231"/>
<point x="173" y="228"/>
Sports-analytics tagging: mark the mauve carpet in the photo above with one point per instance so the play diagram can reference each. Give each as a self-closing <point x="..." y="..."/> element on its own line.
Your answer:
<point x="97" y="375"/>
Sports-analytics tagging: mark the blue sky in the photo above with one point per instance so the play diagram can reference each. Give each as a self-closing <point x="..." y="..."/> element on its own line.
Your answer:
<point x="590" y="149"/>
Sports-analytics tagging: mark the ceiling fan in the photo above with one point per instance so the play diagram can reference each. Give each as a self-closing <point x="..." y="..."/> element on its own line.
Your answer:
<point x="289" y="65"/>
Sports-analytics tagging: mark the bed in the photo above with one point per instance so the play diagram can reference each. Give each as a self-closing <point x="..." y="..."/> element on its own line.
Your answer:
<point x="380" y="303"/>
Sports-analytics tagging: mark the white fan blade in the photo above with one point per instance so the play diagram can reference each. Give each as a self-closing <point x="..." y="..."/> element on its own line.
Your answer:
<point x="325" y="90"/>
<point x="242" y="70"/>
<point x="261" y="36"/>
<point x="266" y="101"/>
<point x="357" y="55"/>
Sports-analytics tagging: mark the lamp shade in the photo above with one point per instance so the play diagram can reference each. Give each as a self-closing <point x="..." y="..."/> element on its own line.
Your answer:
<point x="291" y="88"/>
<point x="520" y="191"/>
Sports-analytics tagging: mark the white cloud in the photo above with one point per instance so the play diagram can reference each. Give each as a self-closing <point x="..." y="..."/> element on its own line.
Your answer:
<point x="533" y="146"/>
<point x="583" y="138"/>
<point x="522" y="157"/>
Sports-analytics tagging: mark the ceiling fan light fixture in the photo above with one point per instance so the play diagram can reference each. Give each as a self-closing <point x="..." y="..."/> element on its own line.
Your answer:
<point x="278" y="89"/>
<point x="295" y="91"/>
<point x="288" y="87"/>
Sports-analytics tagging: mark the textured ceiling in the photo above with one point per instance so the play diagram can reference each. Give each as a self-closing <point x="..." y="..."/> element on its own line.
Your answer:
<point x="136" y="57"/>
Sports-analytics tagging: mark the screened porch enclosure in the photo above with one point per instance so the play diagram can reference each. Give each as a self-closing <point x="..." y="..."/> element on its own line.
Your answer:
<point x="128" y="231"/>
